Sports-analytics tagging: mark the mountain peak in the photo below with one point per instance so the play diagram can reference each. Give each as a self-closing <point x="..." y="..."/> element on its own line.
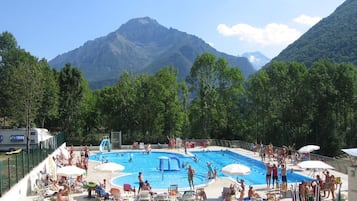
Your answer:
<point x="257" y="59"/>
<point x="142" y="29"/>
<point x="141" y="45"/>
<point x="142" y="21"/>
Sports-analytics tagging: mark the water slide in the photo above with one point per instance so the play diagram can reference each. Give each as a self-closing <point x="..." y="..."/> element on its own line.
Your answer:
<point x="168" y="164"/>
<point x="103" y="143"/>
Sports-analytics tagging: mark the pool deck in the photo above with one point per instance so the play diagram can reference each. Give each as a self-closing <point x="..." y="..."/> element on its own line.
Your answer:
<point x="213" y="190"/>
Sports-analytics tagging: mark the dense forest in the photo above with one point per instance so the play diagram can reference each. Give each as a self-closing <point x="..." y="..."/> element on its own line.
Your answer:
<point x="285" y="103"/>
<point x="334" y="37"/>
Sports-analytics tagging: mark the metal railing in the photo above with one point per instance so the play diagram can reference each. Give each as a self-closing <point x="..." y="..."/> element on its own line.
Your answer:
<point x="14" y="167"/>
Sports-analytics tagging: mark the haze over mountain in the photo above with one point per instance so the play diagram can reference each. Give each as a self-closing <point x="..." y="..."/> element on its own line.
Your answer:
<point x="333" y="38"/>
<point x="141" y="45"/>
<point x="257" y="59"/>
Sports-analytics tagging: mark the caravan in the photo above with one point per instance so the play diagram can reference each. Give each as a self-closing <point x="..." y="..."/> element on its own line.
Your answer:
<point x="12" y="139"/>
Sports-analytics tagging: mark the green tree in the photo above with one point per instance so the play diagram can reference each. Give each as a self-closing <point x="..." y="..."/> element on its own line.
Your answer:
<point x="333" y="89"/>
<point x="165" y="91"/>
<point x="71" y="95"/>
<point x="258" y="102"/>
<point x="26" y="85"/>
<point x="217" y="92"/>
<point x="8" y="47"/>
<point x="48" y="110"/>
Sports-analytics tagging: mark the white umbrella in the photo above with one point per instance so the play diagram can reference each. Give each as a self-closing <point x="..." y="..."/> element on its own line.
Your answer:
<point x="314" y="164"/>
<point x="351" y="152"/>
<point x="64" y="152"/>
<point x="70" y="170"/>
<point x="308" y="148"/>
<point x="52" y="167"/>
<point x="236" y="169"/>
<point x="109" y="167"/>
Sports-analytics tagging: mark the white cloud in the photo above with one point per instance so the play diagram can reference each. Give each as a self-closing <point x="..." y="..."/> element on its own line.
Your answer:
<point x="271" y="34"/>
<point x="307" y="20"/>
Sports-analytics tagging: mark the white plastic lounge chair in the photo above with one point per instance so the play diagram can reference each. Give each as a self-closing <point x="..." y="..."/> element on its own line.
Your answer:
<point x="141" y="145"/>
<point x="144" y="195"/>
<point x="188" y="196"/>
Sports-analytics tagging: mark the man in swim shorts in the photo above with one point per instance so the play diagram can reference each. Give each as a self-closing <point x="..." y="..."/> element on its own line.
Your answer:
<point x="191" y="172"/>
<point x="284" y="179"/>
<point x="275" y="176"/>
<point x="268" y="173"/>
<point x="141" y="181"/>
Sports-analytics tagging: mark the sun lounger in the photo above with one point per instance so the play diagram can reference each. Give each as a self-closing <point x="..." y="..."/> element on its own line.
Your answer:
<point x="200" y="194"/>
<point x="101" y="193"/>
<point x="141" y="145"/>
<point x="173" y="190"/>
<point x="128" y="192"/>
<point x="144" y="195"/>
<point x="115" y="192"/>
<point x="188" y="196"/>
<point x="227" y="194"/>
<point x="162" y="197"/>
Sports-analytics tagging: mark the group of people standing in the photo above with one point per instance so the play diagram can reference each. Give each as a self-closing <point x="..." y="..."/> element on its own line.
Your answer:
<point x="326" y="187"/>
<point x="272" y="177"/>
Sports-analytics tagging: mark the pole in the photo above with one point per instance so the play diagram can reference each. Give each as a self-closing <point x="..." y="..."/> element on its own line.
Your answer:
<point x="339" y="197"/>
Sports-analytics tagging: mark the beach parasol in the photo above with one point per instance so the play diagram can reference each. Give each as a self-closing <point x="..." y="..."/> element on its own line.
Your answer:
<point x="308" y="148"/>
<point x="109" y="167"/>
<point x="52" y="167"/>
<point x="70" y="170"/>
<point x="314" y="164"/>
<point x="64" y="152"/>
<point x="236" y="169"/>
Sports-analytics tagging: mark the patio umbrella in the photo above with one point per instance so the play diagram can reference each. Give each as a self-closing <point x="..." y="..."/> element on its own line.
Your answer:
<point x="308" y="148"/>
<point x="314" y="164"/>
<point x="351" y="152"/>
<point x="109" y="167"/>
<point x="236" y="169"/>
<point x="52" y="167"/>
<point x="70" y="170"/>
<point x="64" y="152"/>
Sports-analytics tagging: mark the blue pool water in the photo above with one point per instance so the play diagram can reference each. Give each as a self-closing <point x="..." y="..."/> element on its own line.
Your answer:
<point x="175" y="172"/>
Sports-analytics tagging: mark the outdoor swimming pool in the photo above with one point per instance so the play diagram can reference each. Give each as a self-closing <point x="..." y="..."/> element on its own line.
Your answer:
<point x="149" y="165"/>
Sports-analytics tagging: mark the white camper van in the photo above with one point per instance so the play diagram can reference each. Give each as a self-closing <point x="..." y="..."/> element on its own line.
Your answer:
<point x="11" y="139"/>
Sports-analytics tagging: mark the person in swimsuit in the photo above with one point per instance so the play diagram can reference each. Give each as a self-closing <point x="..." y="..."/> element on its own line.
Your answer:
<point x="268" y="174"/>
<point x="284" y="178"/>
<point x="327" y="183"/>
<point x="141" y="181"/>
<point x="275" y="176"/>
<point x="191" y="172"/>
<point x="210" y="170"/>
<point x="252" y="193"/>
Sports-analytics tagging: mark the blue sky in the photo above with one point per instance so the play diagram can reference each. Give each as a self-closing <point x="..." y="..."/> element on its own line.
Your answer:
<point x="47" y="28"/>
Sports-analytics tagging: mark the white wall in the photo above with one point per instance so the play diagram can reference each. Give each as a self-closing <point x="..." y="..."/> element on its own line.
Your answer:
<point x="23" y="188"/>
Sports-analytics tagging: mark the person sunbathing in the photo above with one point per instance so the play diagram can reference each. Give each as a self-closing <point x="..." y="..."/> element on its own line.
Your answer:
<point x="62" y="195"/>
<point x="147" y="187"/>
<point x="252" y="193"/>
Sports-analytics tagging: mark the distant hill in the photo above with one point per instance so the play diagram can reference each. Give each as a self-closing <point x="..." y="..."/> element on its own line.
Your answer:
<point x="140" y="45"/>
<point x="333" y="38"/>
<point x="257" y="59"/>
